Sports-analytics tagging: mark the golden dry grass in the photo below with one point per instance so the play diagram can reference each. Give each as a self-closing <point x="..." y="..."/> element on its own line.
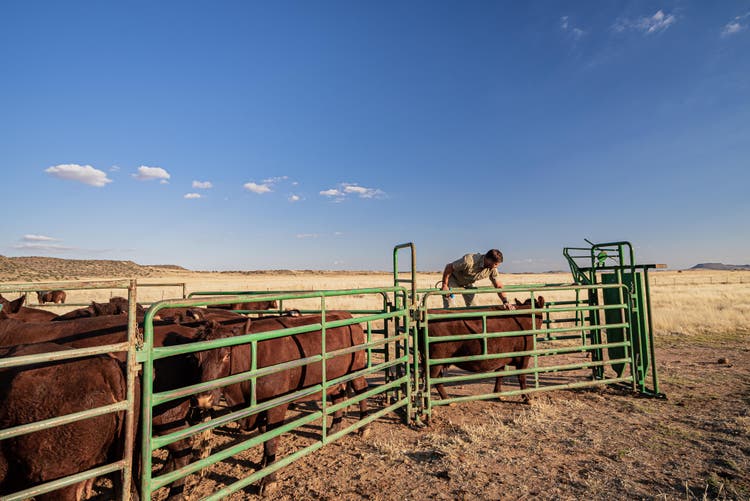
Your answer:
<point x="703" y="305"/>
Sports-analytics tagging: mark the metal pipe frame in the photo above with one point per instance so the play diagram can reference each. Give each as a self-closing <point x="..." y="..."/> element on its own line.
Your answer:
<point x="125" y="464"/>
<point x="150" y="399"/>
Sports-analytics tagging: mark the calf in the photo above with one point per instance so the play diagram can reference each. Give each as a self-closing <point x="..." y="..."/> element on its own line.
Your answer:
<point x="15" y="309"/>
<point x="495" y="345"/>
<point x="42" y="391"/>
<point x="222" y="362"/>
<point x="258" y="305"/>
<point x="57" y="297"/>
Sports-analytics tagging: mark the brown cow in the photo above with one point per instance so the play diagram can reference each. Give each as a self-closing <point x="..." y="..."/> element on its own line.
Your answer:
<point x="169" y="373"/>
<point x="451" y="349"/>
<point x="258" y="305"/>
<point x="15" y="309"/>
<point x="43" y="391"/>
<point x="223" y="362"/>
<point x="115" y="306"/>
<point x="57" y="297"/>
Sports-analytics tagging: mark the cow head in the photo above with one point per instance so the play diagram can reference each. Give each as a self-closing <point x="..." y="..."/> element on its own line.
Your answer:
<point x="12" y="306"/>
<point x="538" y="303"/>
<point x="216" y="363"/>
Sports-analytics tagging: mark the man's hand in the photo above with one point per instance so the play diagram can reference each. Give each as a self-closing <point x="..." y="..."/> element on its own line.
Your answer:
<point x="445" y="286"/>
<point x="509" y="306"/>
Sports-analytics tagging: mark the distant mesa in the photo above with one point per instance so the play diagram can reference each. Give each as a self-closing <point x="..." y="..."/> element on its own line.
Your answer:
<point x="720" y="266"/>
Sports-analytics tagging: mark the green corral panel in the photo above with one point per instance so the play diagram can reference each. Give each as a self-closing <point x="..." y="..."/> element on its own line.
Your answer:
<point x="638" y="334"/>
<point x="614" y="335"/>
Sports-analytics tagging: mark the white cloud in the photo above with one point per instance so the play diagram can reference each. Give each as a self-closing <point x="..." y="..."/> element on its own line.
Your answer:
<point x="202" y="185"/>
<point x="148" y="173"/>
<point x="660" y="21"/>
<point x="257" y="188"/>
<point x="734" y="26"/>
<point x="114" y="168"/>
<point x="192" y="195"/>
<point x="38" y="238"/>
<point x="362" y="192"/>
<point x="42" y="246"/>
<point x="85" y="174"/>
<point x="307" y="235"/>
<point x="567" y="27"/>
<point x="294" y="198"/>
<point x="274" y="180"/>
<point x="345" y="189"/>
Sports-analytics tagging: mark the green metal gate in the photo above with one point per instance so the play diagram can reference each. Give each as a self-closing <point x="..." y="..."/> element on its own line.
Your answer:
<point x="393" y="364"/>
<point x="123" y="465"/>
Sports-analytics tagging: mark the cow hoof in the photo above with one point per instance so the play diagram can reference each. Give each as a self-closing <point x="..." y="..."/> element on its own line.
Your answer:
<point x="267" y="488"/>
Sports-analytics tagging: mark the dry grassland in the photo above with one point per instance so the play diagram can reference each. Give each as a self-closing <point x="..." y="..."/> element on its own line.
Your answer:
<point x="599" y="443"/>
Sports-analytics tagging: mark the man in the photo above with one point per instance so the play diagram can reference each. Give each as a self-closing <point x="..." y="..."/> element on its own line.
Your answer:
<point x="469" y="269"/>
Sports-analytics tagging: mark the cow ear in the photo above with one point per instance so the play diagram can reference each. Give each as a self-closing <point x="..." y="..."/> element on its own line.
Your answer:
<point x="518" y="303"/>
<point x="540" y="302"/>
<point x="16" y="304"/>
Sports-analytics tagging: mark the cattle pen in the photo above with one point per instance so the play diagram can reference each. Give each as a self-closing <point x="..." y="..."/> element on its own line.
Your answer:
<point x="593" y="331"/>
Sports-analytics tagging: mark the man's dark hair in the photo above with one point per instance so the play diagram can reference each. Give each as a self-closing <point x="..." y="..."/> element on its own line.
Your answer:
<point x="494" y="255"/>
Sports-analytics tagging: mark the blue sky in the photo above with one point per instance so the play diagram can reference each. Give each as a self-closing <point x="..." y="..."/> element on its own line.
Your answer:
<point x="240" y="135"/>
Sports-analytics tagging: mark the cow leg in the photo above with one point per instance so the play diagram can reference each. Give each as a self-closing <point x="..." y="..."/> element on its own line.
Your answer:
<point x="274" y="418"/>
<point x="435" y="371"/>
<point x="523" y="363"/>
<point x="359" y="386"/>
<point x="180" y="454"/>
<point x="337" y="423"/>
<point x="498" y="386"/>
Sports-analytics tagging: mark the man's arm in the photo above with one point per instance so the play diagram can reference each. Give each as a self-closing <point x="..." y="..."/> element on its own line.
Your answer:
<point x="447" y="272"/>
<point x="500" y="294"/>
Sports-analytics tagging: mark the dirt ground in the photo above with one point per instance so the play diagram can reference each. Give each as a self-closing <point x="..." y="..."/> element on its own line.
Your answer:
<point x="567" y="444"/>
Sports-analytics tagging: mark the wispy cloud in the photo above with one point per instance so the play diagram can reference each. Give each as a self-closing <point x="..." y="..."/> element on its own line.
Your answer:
<point x="567" y="27"/>
<point x="85" y="174"/>
<point x="346" y="189"/>
<point x="257" y="188"/>
<point x="735" y="25"/>
<point x="202" y="185"/>
<point x="265" y="186"/>
<point x="114" y="168"/>
<point x="146" y="173"/>
<point x="294" y="198"/>
<point x="308" y="235"/>
<point x="38" y="238"/>
<point x="192" y="195"/>
<point x="43" y="243"/>
<point x="274" y="180"/>
<point x="38" y="246"/>
<point x="648" y="25"/>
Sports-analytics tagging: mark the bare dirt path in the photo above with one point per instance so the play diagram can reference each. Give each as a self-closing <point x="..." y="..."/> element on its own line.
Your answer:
<point x="565" y="445"/>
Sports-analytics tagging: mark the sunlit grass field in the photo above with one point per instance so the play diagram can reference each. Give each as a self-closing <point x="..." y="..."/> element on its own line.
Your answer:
<point x="705" y="305"/>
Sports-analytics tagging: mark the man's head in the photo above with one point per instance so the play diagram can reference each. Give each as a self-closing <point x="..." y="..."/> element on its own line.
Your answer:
<point x="493" y="258"/>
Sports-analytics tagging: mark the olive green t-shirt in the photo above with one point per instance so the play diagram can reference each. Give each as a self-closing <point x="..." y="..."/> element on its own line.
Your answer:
<point x="470" y="269"/>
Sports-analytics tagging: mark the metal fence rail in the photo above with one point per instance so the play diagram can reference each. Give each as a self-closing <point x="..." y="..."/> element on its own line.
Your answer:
<point x="579" y="318"/>
<point x="393" y="364"/>
<point x="123" y="465"/>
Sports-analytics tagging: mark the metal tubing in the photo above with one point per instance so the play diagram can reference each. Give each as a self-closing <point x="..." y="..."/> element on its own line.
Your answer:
<point x="61" y="420"/>
<point x="64" y="482"/>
